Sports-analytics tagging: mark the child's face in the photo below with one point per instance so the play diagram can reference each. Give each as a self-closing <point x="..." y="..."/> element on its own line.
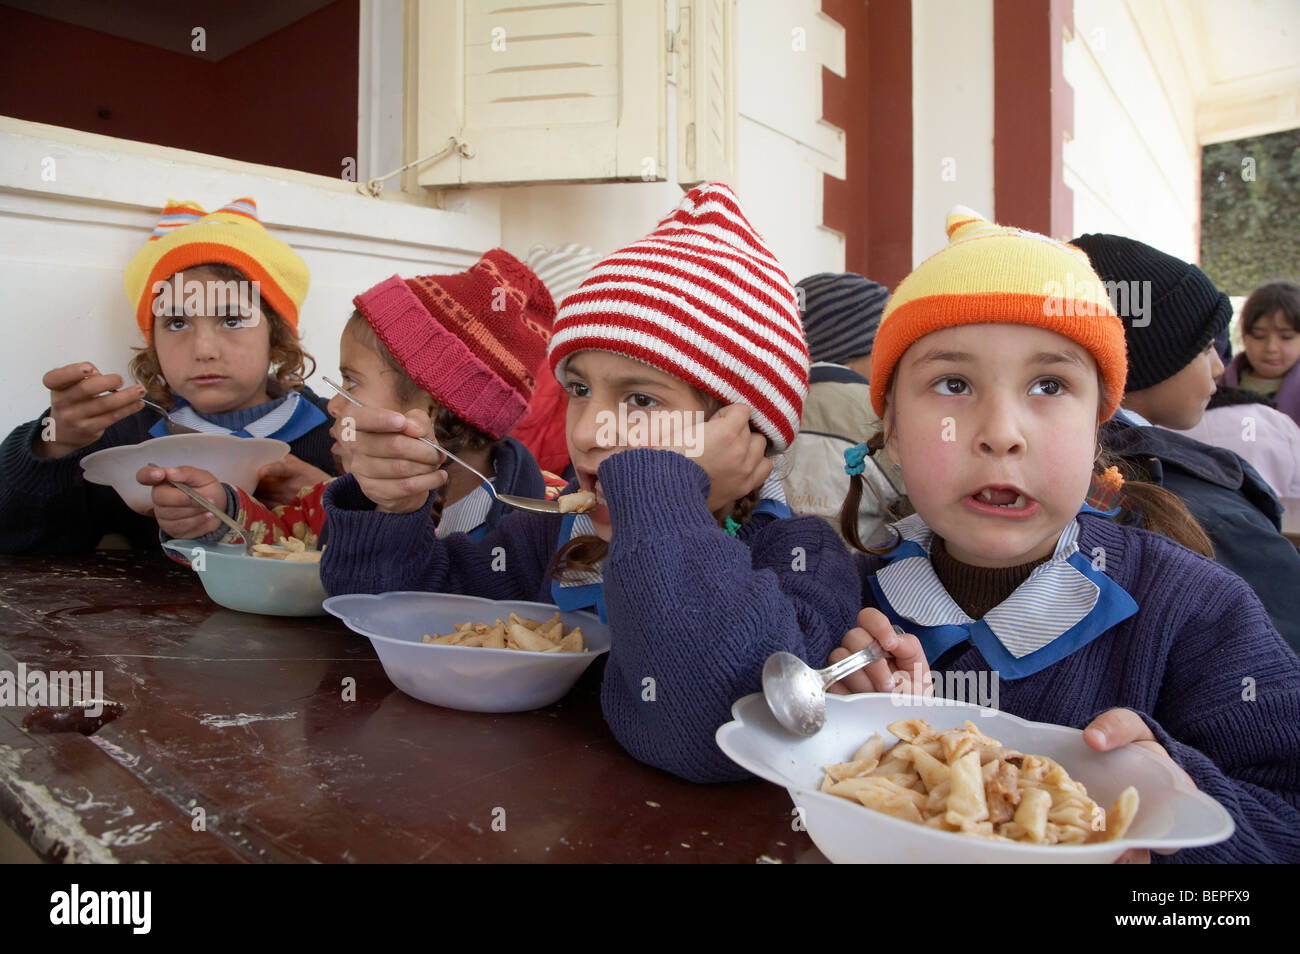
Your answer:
<point x="370" y="380"/>
<point x="1272" y="347"/>
<point x="1179" y="402"/>
<point x="1011" y="409"/>
<point x="598" y="382"/>
<point x="218" y="358"/>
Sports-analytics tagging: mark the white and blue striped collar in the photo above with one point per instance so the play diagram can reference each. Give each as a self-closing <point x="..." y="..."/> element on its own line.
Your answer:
<point x="582" y="526"/>
<point x="466" y="514"/>
<point x="1063" y="604"/>
<point x="264" y="426"/>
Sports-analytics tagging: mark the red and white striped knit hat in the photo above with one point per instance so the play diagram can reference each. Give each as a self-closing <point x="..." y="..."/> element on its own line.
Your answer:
<point x="701" y="298"/>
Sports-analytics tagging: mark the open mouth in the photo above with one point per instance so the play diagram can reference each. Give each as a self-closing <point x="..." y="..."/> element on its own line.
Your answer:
<point x="1003" y="498"/>
<point x="587" y="481"/>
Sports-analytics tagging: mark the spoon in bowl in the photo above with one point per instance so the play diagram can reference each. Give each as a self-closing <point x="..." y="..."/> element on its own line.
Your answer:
<point x="796" y="693"/>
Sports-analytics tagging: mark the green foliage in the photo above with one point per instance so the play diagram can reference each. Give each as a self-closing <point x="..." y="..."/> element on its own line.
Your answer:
<point x="1250" y="230"/>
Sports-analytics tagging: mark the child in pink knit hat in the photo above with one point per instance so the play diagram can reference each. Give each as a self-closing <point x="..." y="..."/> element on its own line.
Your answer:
<point x="456" y="352"/>
<point x="685" y="363"/>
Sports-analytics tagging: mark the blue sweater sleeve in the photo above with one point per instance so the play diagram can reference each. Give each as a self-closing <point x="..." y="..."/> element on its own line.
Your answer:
<point x="46" y="504"/>
<point x="370" y="552"/>
<point x="696" y="612"/>
<point x="1228" y="712"/>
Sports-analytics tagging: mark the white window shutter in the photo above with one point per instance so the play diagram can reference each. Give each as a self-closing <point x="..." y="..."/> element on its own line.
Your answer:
<point x="542" y="91"/>
<point x="706" y="92"/>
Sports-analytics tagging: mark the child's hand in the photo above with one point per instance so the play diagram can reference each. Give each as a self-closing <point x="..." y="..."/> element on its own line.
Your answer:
<point x="279" y="481"/>
<point x="906" y="672"/>
<point x="79" y="415"/>
<point x="1116" y="727"/>
<point x="393" y="469"/>
<point x="177" y="515"/>
<point x="731" y="454"/>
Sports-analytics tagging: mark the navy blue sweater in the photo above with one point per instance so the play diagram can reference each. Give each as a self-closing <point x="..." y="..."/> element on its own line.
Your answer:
<point x="1202" y="665"/>
<point x="690" y="607"/>
<point x="46" y="506"/>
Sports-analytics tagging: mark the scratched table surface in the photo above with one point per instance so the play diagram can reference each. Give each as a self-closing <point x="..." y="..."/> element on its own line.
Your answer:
<point x="237" y="744"/>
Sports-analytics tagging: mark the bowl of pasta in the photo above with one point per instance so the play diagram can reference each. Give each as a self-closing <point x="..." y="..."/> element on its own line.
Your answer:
<point x="898" y="779"/>
<point x="475" y="654"/>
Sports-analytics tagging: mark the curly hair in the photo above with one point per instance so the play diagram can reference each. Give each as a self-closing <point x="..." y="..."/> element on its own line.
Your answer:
<point x="290" y="364"/>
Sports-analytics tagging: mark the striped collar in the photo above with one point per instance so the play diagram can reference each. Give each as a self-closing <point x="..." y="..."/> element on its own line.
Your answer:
<point x="467" y="514"/>
<point x="1062" y="605"/>
<point x="264" y="426"/>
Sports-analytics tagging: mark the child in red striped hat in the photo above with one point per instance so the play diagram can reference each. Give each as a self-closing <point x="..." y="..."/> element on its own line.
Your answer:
<point x="216" y="298"/>
<point x="686" y="366"/>
<point x="455" y="352"/>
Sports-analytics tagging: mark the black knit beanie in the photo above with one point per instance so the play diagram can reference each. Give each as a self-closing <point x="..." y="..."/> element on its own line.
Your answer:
<point x="1185" y="311"/>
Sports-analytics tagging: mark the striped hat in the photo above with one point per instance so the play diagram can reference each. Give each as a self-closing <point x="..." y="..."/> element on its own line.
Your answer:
<point x="841" y="311"/>
<point x="474" y="340"/>
<point x="187" y="237"/>
<point x="561" y="269"/>
<point x="989" y="273"/>
<point x="701" y="298"/>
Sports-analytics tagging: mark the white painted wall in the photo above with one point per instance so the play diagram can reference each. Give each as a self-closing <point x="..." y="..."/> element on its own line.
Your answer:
<point x="784" y="149"/>
<point x="65" y="243"/>
<point x="1134" y="162"/>
<point x="952" y="116"/>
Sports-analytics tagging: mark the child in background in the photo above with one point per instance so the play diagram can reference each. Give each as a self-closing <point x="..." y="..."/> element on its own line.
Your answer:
<point x="1270" y="334"/>
<point x="991" y="386"/>
<point x="217" y="300"/>
<point x="1172" y="364"/>
<point x="439" y="348"/>
<point x="1247" y="423"/>
<point x="841" y="311"/>
<point x="697" y="575"/>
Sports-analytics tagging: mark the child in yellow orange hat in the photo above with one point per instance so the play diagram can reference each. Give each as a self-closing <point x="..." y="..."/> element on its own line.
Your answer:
<point x="995" y="363"/>
<point x="217" y="300"/>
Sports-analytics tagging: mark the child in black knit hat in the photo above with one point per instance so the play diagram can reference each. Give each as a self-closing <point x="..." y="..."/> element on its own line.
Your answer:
<point x="1172" y="367"/>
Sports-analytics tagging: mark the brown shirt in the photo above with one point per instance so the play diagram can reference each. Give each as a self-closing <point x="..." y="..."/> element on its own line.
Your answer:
<point x="977" y="589"/>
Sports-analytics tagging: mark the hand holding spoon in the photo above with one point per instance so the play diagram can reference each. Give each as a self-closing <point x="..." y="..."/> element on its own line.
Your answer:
<point x="796" y="693"/>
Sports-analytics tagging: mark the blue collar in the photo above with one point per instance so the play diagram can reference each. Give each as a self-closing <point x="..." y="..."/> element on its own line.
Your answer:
<point x="1063" y="605"/>
<point x="576" y="596"/>
<point x="286" y="422"/>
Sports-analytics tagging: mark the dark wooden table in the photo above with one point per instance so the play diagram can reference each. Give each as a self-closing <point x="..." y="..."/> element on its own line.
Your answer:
<point x="236" y="744"/>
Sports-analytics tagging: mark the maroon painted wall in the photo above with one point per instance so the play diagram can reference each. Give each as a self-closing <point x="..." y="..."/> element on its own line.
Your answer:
<point x="288" y="100"/>
<point x="872" y="103"/>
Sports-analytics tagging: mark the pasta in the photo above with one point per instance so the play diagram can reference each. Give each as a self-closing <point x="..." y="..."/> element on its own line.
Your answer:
<point x="960" y="780"/>
<point x="517" y="632"/>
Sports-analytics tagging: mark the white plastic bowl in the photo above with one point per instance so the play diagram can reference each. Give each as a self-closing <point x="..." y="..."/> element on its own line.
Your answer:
<point x="237" y="581"/>
<point x="466" y="677"/>
<point x="232" y="460"/>
<point x="1171" y="812"/>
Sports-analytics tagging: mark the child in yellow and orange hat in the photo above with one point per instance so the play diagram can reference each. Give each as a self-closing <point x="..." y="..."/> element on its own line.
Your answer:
<point x="995" y="364"/>
<point x="217" y="300"/>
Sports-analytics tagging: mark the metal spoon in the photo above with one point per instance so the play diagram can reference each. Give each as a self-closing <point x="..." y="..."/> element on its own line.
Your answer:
<point x="796" y="693"/>
<point x="217" y="512"/>
<point x="510" y="500"/>
<point x="173" y="426"/>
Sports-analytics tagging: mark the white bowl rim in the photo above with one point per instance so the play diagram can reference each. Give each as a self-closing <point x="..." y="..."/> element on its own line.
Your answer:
<point x="121" y="450"/>
<point x="513" y="653"/>
<point x="1179" y="785"/>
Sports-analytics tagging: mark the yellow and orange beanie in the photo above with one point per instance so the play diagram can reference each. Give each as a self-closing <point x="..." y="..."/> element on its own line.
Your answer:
<point x="186" y="236"/>
<point x="990" y="273"/>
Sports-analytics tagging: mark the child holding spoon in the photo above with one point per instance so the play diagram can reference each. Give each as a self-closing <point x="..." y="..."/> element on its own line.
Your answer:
<point x="458" y="353"/>
<point x="217" y="300"/>
<point x="991" y="382"/>
<point x="685" y="364"/>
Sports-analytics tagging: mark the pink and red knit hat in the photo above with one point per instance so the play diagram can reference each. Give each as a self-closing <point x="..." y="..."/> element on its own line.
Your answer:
<point x="701" y="298"/>
<point x="474" y="340"/>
